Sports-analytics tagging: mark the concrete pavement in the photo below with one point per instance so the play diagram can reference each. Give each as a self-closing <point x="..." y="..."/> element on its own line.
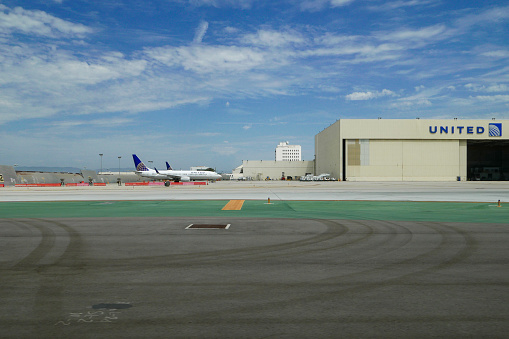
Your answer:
<point x="276" y="190"/>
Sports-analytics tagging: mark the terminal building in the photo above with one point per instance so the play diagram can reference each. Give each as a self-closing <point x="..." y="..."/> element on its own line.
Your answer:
<point x="414" y="150"/>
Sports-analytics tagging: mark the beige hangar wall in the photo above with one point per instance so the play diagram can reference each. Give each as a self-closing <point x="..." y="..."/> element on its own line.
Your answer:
<point x="405" y="160"/>
<point x="329" y="148"/>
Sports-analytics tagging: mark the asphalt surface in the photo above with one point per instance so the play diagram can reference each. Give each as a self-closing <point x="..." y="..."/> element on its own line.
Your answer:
<point x="151" y="277"/>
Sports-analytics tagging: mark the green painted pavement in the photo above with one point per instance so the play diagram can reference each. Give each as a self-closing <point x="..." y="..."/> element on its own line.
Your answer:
<point x="354" y="210"/>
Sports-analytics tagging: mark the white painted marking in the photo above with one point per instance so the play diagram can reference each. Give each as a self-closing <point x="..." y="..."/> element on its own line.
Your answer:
<point x="207" y="228"/>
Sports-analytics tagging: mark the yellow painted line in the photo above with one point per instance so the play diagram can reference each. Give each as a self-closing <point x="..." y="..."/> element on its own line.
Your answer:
<point x="233" y="205"/>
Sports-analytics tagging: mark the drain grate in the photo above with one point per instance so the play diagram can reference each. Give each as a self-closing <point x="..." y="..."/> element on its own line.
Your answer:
<point x="208" y="226"/>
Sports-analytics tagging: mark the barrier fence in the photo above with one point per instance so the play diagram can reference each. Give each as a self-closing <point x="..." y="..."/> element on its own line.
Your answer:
<point x="74" y="184"/>
<point x="158" y="183"/>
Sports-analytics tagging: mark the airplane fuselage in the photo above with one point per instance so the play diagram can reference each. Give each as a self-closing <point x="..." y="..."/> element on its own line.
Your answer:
<point x="171" y="174"/>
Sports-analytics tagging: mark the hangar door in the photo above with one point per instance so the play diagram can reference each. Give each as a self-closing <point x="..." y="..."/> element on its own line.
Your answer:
<point x="400" y="160"/>
<point x="488" y="160"/>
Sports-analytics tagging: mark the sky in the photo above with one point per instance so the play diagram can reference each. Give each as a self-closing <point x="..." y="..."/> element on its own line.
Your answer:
<point x="215" y="82"/>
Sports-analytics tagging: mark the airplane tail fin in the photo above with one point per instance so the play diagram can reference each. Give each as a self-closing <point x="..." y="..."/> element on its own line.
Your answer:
<point x="168" y="167"/>
<point x="140" y="166"/>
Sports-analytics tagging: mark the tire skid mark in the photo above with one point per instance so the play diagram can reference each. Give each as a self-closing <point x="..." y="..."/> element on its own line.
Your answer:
<point x="223" y="255"/>
<point x="469" y="248"/>
<point x="50" y="279"/>
<point x="340" y="287"/>
<point x="335" y="230"/>
<point x="403" y="239"/>
<point x="367" y="235"/>
<point x="345" y="243"/>
<point x="71" y="258"/>
<point x="46" y="244"/>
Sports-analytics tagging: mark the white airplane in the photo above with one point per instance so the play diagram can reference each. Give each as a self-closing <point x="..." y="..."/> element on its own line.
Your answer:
<point x="171" y="174"/>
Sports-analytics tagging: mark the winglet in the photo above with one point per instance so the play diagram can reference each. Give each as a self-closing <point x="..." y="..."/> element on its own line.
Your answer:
<point x="168" y="167"/>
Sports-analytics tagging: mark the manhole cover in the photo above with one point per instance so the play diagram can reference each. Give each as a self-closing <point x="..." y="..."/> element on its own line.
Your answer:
<point x="208" y="226"/>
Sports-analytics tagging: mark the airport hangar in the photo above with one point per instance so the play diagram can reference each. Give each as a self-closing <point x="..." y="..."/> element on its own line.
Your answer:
<point x="414" y="150"/>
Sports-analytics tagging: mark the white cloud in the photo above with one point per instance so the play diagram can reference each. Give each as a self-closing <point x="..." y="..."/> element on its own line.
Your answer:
<point x="271" y="38"/>
<point x="108" y="122"/>
<point x="497" y="54"/>
<point x="34" y="22"/>
<point x="426" y="33"/>
<point x="490" y="88"/>
<point x="210" y="59"/>
<point x="406" y="103"/>
<point x="394" y="5"/>
<point x="356" y="96"/>
<point x="243" y="4"/>
<point x="317" y="5"/>
<point x="498" y="88"/>
<point x="200" y="32"/>
<point x="339" y="3"/>
<point x="492" y="98"/>
<point x="489" y="16"/>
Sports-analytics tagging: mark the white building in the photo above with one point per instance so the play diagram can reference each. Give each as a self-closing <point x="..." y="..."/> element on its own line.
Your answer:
<point x="414" y="149"/>
<point x="263" y="169"/>
<point x="287" y="152"/>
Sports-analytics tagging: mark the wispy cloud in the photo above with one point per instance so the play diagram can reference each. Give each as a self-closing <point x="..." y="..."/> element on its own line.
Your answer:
<point x="318" y="5"/>
<point x="200" y="32"/>
<point x="402" y="4"/>
<point x="420" y="34"/>
<point x="493" y="98"/>
<point x="38" y="23"/>
<point x="273" y="38"/>
<point x="355" y="96"/>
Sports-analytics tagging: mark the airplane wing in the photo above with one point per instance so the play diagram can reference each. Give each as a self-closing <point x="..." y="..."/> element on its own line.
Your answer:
<point x="171" y="176"/>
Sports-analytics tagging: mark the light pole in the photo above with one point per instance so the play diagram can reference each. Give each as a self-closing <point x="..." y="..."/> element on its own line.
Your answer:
<point x="119" y="180"/>
<point x="101" y="155"/>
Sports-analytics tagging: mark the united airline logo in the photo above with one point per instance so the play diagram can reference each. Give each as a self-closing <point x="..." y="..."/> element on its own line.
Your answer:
<point x="495" y="130"/>
<point x="141" y="167"/>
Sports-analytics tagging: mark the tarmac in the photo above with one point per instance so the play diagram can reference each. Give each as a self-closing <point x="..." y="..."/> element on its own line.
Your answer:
<point x="321" y="260"/>
<point x="470" y="191"/>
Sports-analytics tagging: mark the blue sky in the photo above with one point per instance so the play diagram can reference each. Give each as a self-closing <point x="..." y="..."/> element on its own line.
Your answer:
<point x="214" y="82"/>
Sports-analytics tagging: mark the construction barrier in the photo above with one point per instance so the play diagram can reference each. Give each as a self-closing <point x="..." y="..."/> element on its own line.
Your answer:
<point x="99" y="184"/>
<point x="189" y="183"/>
<point x="150" y="183"/>
<point x="159" y="183"/>
<point x="2" y="185"/>
<point x="38" y="185"/>
<point x="74" y="184"/>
